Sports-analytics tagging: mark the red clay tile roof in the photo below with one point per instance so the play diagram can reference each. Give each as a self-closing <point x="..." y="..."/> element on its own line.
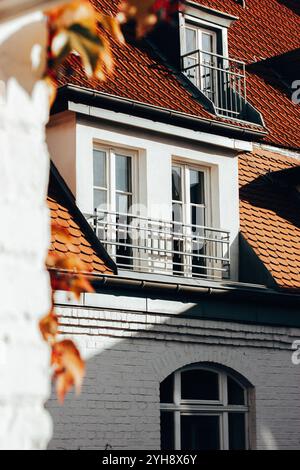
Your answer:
<point x="64" y="212"/>
<point x="269" y="216"/>
<point x="265" y="28"/>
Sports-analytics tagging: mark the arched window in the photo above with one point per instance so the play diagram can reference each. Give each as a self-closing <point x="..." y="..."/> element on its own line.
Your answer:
<point x="203" y="408"/>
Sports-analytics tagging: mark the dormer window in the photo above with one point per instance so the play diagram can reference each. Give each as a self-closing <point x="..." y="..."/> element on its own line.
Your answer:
<point x="201" y="45"/>
<point x="205" y="61"/>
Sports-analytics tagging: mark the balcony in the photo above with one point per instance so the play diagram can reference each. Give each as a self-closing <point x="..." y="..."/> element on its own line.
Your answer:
<point x="155" y="246"/>
<point x="220" y="78"/>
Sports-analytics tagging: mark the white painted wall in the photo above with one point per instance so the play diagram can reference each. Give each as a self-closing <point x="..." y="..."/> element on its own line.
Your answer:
<point x="129" y="353"/>
<point x="24" y="238"/>
<point x="61" y="140"/>
<point x="155" y="153"/>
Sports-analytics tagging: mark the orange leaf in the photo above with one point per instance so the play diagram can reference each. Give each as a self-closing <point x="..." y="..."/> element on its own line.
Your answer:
<point x="48" y="326"/>
<point x="76" y="12"/>
<point x="69" y="368"/>
<point x="140" y="11"/>
<point x="81" y="284"/>
<point x="63" y="232"/>
<point x="112" y="25"/>
<point x="64" y="383"/>
<point x="71" y="262"/>
<point x="60" y="281"/>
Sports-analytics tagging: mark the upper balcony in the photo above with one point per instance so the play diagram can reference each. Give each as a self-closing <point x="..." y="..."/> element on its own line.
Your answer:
<point x="221" y="79"/>
<point x="147" y="245"/>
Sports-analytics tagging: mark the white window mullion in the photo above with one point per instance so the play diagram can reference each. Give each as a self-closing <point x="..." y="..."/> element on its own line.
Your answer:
<point x="177" y="388"/>
<point x="112" y="181"/>
<point x="224" y="417"/>
<point x="177" y="401"/>
<point x="112" y="199"/>
<point x="177" y="433"/>
<point x="188" y="260"/>
<point x="225" y="432"/>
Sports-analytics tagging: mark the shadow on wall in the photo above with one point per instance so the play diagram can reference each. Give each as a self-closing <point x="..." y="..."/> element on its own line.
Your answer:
<point x="119" y="404"/>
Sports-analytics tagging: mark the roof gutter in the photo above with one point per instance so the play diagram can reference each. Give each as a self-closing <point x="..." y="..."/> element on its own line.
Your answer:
<point x="247" y="293"/>
<point x="99" y="99"/>
<point x="243" y="293"/>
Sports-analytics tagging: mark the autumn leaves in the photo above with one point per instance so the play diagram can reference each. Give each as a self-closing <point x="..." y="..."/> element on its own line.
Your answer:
<point x="67" y="273"/>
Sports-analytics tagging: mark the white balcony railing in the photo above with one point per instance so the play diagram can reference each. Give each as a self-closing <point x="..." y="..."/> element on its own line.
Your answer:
<point x="220" y="78"/>
<point x="163" y="247"/>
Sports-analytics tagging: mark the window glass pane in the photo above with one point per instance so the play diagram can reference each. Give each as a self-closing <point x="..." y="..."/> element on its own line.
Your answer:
<point x="198" y="218"/>
<point x="199" y="385"/>
<point x="236" y="395"/>
<point x="123" y="173"/>
<point x="236" y="425"/>
<point x="167" y="430"/>
<point x="177" y="245"/>
<point x="123" y="203"/>
<point x="176" y="184"/>
<point x="191" y="39"/>
<point x="177" y="216"/>
<point x="197" y="187"/>
<point x="99" y="166"/>
<point x="190" y="65"/>
<point x="124" y="240"/>
<point x="100" y="199"/>
<point x="200" y="432"/>
<point x="166" y="389"/>
<point x="207" y="42"/>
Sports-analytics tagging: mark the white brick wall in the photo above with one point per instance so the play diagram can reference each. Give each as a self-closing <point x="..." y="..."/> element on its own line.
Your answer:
<point x="24" y="240"/>
<point x="128" y="354"/>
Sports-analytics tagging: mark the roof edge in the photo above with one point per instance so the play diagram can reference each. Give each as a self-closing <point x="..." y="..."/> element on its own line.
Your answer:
<point x="242" y="291"/>
<point x="100" y="99"/>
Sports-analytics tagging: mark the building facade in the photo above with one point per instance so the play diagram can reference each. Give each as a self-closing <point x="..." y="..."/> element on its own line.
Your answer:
<point x="184" y="167"/>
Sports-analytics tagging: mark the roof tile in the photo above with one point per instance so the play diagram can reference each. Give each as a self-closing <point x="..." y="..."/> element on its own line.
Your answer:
<point x="268" y="217"/>
<point x="62" y="212"/>
<point x="265" y="28"/>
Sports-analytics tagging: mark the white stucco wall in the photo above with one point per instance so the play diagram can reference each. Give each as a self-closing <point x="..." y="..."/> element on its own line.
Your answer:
<point x="130" y="353"/>
<point x="24" y="238"/>
<point x="155" y="153"/>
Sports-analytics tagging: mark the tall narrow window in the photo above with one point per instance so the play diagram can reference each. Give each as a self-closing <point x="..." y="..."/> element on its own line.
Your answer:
<point x="205" y="61"/>
<point x="123" y="165"/>
<point x="203" y="408"/>
<point x="100" y="179"/>
<point x="112" y="200"/>
<point x="200" y="58"/>
<point x="190" y="216"/>
<point x="112" y="177"/>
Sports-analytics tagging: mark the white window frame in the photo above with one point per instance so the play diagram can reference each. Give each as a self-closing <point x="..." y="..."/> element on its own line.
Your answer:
<point x="111" y="208"/>
<point x="186" y="166"/>
<point x="193" y="21"/>
<point x="186" y="203"/>
<point x="219" y="407"/>
<point x="198" y="57"/>
<point x="111" y="152"/>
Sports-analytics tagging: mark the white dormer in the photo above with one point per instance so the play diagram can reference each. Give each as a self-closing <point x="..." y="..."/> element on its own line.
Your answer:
<point x="205" y="60"/>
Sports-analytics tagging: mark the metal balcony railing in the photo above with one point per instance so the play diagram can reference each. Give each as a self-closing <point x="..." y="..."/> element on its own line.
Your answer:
<point x="163" y="247"/>
<point x="220" y="78"/>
